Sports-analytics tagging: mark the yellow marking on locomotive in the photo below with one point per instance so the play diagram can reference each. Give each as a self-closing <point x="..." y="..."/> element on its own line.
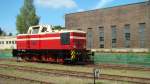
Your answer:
<point x="73" y="53"/>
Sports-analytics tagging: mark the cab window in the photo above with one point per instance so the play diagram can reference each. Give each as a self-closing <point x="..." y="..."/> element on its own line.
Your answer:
<point x="35" y="30"/>
<point x="44" y="29"/>
<point x="65" y="38"/>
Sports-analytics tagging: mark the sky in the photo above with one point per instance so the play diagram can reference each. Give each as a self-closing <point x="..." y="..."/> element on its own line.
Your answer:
<point x="52" y="12"/>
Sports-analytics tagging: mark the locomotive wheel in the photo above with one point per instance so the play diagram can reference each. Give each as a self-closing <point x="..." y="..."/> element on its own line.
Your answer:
<point x="34" y="58"/>
<point x="43" y="59"/>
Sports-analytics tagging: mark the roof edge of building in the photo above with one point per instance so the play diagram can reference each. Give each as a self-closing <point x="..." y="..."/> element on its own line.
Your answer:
<point x="109" y="7"/>
<point x="1" y="37"/>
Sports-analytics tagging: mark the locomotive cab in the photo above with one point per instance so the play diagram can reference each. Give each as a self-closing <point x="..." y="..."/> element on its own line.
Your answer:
<point x="39" y="29"/>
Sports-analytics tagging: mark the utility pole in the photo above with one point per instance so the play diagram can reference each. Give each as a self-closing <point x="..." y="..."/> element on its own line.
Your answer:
<point x="96" y="73"/>
<point x="148" y="13"/>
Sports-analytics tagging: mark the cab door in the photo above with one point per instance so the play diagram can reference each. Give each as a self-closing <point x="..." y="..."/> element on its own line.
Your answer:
<point x="34" y="38"/>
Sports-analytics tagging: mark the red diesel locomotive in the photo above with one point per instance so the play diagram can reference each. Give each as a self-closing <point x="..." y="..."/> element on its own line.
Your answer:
<point x="42" y="43"/>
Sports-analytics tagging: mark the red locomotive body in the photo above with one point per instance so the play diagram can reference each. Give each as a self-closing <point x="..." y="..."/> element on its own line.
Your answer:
<point x="41" y="43"/>
<point x="55" y="40"/>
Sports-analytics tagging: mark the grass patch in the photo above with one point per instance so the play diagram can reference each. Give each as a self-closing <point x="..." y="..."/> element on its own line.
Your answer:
<point x="52" y="78"/>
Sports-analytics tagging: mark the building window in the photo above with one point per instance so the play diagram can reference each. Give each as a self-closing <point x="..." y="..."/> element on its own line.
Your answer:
<point x="114" y="36"/>
<point x="142" y="35"/>
<point x="127" y="36"/>
<point x="13" y="42"/>
<point x="101" y="45"/>
<point x="6" y="42"/>
<point x="9" y="42"/>
<point x="2" y="42"/>
<point x="101" y="37"/>
<point x="90" y="38"/>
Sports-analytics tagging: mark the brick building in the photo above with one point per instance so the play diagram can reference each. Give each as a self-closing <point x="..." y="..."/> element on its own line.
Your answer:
<point x="126" y="26"/>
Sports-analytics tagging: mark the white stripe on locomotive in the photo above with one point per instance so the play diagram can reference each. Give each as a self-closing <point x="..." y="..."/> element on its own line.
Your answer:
<point x="50" y="38"/>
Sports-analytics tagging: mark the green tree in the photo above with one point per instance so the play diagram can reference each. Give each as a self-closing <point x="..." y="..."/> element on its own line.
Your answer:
<point x="1" y="31"/>
<point x="58" y="27"/>
<point x="10" y="34"/>
<point x="4" y="34"/>
<point x="27" y="17"/>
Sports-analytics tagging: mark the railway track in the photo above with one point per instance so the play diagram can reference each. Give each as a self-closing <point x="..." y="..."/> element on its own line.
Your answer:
<point x="120" y="67"/>
<point x="109" y="66"/>
<point x="21" y="78"/>
<point x="7" y="59"/>
<point x="137" y="80"/>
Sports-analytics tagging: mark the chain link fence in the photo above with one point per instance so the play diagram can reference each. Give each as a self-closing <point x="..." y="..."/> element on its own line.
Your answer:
<point x="6" y="54"/>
